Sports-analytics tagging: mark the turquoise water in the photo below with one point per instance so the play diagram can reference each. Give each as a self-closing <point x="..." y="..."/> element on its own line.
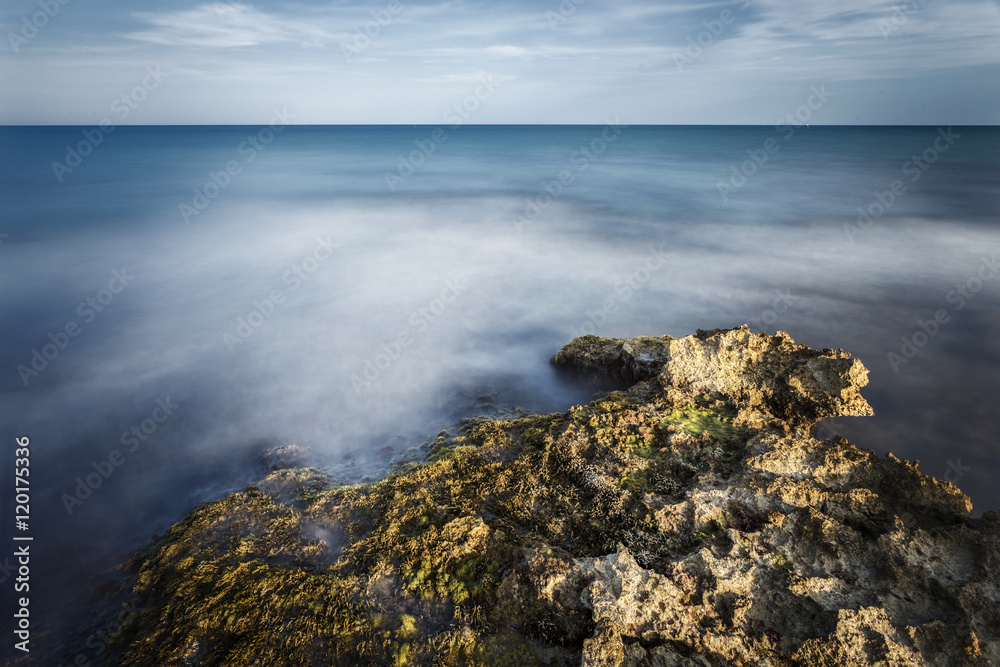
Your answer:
<point x="345" y="287"/>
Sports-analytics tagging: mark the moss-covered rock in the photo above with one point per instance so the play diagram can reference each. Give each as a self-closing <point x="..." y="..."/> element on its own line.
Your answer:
<point x="691" y="520"/>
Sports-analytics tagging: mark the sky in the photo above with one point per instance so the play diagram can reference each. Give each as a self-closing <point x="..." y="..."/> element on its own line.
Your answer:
<point x="915" y="62"/>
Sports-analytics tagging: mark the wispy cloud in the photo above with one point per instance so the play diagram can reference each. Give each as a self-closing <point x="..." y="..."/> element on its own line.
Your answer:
<point x="860" y="39"/>
<point x="603" y="57"/>
<point x="220" y="26"/>
<point x="466" y="77"/>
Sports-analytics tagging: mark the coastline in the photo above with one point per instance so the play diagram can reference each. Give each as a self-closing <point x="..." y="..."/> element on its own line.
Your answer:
<point x="689" y="520"/>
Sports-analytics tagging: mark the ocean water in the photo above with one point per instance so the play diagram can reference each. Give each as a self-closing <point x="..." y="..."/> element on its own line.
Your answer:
<point x="177" y="300"/>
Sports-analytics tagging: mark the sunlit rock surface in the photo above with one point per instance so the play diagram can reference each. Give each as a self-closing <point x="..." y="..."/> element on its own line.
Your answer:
<point x="690" y="520"/>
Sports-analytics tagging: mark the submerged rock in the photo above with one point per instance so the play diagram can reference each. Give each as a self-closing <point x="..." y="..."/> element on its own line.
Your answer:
<point x="691" y="520"/>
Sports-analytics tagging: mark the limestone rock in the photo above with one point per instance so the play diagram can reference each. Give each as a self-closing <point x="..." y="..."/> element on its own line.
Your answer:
<point x="763" y="374"/>
<point x="690" y="521"/>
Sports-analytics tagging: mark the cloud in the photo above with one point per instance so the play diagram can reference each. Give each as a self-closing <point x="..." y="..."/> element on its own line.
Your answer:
<point x="602" y="57"/>
<point x="859" y="39"/>
<point x="466" y="77"/>
<point x="505" y="50"/>
<point x="224" y="25"/>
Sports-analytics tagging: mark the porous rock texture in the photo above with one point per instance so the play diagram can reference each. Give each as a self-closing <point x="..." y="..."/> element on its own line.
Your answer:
<point x="690" y="520"/>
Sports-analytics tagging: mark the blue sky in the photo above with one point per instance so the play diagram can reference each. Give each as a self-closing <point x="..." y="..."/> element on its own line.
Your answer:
<point x="547" y="61"/>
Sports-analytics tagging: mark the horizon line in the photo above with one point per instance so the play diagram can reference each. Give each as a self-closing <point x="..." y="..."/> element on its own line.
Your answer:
<point x="147" y="125"/>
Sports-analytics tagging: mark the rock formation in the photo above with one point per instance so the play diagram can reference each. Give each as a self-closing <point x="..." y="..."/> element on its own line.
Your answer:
<point x="690" y="520"/>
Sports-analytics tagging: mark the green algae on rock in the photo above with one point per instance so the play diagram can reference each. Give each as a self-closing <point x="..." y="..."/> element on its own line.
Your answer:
<point x="691" y="520"/>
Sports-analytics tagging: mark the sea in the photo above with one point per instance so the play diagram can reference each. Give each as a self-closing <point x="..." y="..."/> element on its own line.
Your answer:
<point x="177" y="301"/>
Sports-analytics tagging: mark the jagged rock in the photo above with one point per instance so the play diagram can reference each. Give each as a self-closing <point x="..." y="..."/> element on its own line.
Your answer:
<point x="285" y="456"/>
<point x="768" y="375"/>
<point x="692" y="521"/>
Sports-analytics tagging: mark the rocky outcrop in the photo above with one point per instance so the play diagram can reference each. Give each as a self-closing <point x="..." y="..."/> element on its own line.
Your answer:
<point x="691" y="520"/>
<point x="764" y="376"/>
